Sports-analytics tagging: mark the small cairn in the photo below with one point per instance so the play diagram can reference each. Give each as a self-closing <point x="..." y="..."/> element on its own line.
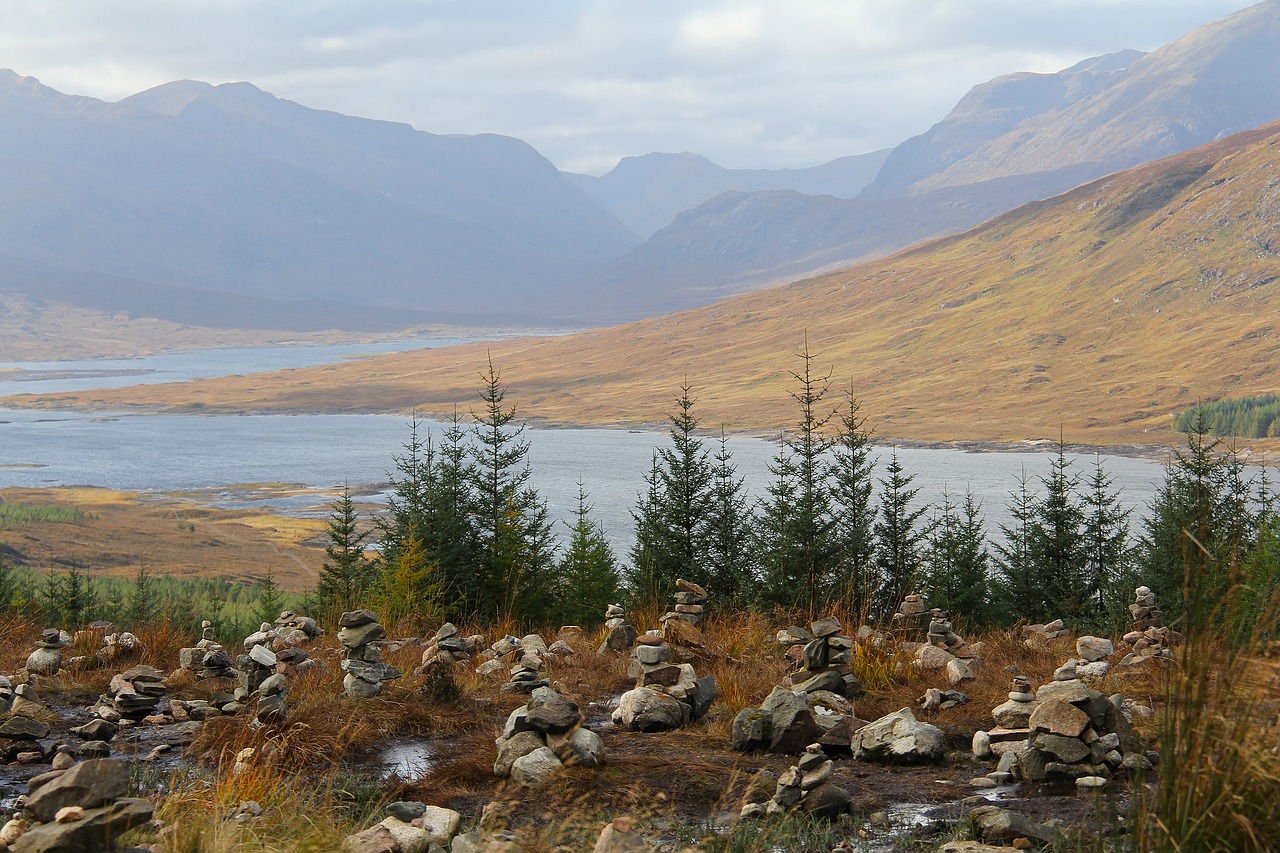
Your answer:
<point x="1091" y="662"/>
<point x="542" y="736"/>
<point x="6" y="694"/>
<point x="260" y="662"/>
<point x="82" y="808"/>
<point x="930" y="635"/>
<point x="448" y="647"/>
<point x="911" y="622"/>
<point x="825" y="660"/>
<point x="134" y="693"/>
<point x="47" y="657"/>
<point x="526" y="672"/>
<point x="207" y="659"/>
<point x="294" y="630"/>
<point x="621" y="636"/>
<point x="409" y="825"/>
<point x="805" y="787"/>
<point x="270" y="709"/>
<point x="496" y="656"/>
<point x="361" y="657"/>
<point x="1150" y="637"/>
<point x="667" y="695"/>
<point x="117" y="647"/>
<point x="1035" y="636"/>
<point x="681" y="625"/>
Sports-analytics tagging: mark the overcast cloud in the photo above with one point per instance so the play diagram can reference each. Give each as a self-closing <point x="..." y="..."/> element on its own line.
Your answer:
<point x="763" y="84"/>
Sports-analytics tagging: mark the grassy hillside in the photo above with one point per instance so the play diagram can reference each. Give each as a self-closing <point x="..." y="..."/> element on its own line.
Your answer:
<point x="1103" y="311"/>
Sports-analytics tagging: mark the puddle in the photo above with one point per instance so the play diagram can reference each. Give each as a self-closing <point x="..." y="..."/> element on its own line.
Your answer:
<point x="407" y="760"/>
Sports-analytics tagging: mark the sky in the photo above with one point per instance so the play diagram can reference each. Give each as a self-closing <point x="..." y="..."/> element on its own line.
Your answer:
<point x="750" y="84"/>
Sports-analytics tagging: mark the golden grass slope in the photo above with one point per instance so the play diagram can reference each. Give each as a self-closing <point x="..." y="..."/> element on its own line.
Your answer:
<point x="1101" y="312"/>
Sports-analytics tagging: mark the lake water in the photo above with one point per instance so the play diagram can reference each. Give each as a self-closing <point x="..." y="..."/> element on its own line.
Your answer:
<point x="178" y="453"/>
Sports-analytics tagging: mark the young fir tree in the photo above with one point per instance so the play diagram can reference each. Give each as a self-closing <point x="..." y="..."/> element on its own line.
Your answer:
<point x="1106" y="535"/>
<point x="776" y="540"/>
<point x="68" y="598"/>
<point x="799" y="569"/>
<point x="730" y="561"/>
<point x="642" y="577"/>
<point x="516" y="567"/>
<point x="900" y="537"/>
<point x="852" y="487"/>
<point x="1018" y="589"/>
<point x="410" y="589"/>
<point x="449" y="532"/>
<point x="269" y="601"/>
<point x="957" y="559"/>
<point x="7" y="586"/>
<point x="347" y="574"/>
<point x="142" y="599"/>
<point x="1056" y="543"/>
<point x="588" y="570"/>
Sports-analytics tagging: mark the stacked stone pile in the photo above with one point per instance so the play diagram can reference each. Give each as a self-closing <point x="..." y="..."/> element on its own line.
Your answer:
<point x="22" y="739"/>
<point x="667" y="695"/>
<point x="270" y="709"/>
<point x="47" y="657"/>
<point x="409" y="827"/>
<point x="621" y="636"/>
<point x="358" y="633"/>
<point x="134" y="693"/>
<point x="911" y="622"/>
<point x="1150" y="637"/>
<point x="1091" y="663"/>
<point x="1036" y="635"/>
<point x="525" y="673"/>
<point x="260" y="662"/>
<point x="824" y="661"/>
<point x="6" y="694"/>
<point x="80" y="809"/>
<point x="805" y="787"/>
<point x="543" y="736"/>
<point x="295" y="630"/>
<point x="931" y="637"/>
<point x="25" y="702"/>
<point x="207" y="659"/>
<point x="681" y="624"/>
<point x="497" y="657"/>
<point x="898" y="737"/>
<point x="448" y="647"/>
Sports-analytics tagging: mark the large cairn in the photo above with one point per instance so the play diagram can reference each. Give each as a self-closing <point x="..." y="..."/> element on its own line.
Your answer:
<point x="259" y="663"/>
<point x="814" y="701"/>
<point x="929" y="634"/>
<point x="1150" y="637"/>
<point x="667" y="695"/>
<point x="361" y="656"/>
<point x="448" y="647"/>
<point x="526" y="672"/>
<point x="805" y="787"/>
<point x="542" y="736"/>
<point x="621" y="636"/>
<point x="47" y="657"/>
<point x="207" y="659"/>
<point x="134" y="693"/>
<point x="1064" y="732"/>
<point x="681" y="625"/>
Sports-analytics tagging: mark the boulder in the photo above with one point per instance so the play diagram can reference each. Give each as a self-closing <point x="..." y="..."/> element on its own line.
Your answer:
<point x="996" y="824"/>
<point x="826" y="800"/>
<point x="535" y="768"/>
<point x="94" y="832"/>
<point x="898" y="737"/>
<point x="581" y="747"/>
<point x="89" y="784"/>
<point x="517" y="746"/>
<point x="646" y="710"/>
<point x="751" y="730"/>
<point x="792" y="726"/>
<point x="1090" y="649"/>
<point x="1057" y="717"/>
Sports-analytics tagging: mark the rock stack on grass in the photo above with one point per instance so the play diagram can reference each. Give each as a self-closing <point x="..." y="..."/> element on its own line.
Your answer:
<point x="358" y="633"/>
<point x="825" y="661"/>
<point x="911" y="622"/>
<point x="621" y="636"/>
<point x="207" y="659"/>
<point x="82" y="808"/>
<point x="525" y="673"/>
<point x="681" y="625"/>
<point x="1150" y="637"/>
<point x="1037" y="636"/>
<point x="898" y="737"/>
<point x="295" y="630"/>
<point x="409" y="827"/>
<point x="805" y="787"/>
<point x="667" y="695"/>
<point x="47" y="657"/>
<point x="118" y="647"/>
<point x="448" y="647"/>
<point x="542" y="736"/>
<point x="134" y="693"/>
<point x="259" y="663"/>
<point x="1091" y="663"/>
<point x="271" y="710"/>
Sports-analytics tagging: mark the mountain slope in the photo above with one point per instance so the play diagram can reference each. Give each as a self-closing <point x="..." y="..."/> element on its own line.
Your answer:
<point x="227" y="188"/>
<point x="1101" y="312"/>
<point x="646" y="193"/>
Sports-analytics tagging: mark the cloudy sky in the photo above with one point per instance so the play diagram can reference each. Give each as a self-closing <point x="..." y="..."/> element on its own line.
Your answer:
<point x="756" y="83"/>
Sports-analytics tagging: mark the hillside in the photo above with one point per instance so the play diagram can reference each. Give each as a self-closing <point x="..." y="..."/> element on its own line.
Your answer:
<point x="1102" y="311"/>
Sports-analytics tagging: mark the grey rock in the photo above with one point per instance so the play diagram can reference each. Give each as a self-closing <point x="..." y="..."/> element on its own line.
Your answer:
<point x="535" y="768"/>
<point x="826" y="801"/>
<point x="1058" y="717"/>
<point x="95" y="832"/>
<point x="361" y="635"/>
<point x="752" y="730"/>
<point x="898" y="737"/>
<point x="1068" y="749"/>
<point x="552" y="714"/>
<point x="514" y="747"/>
<point x="646" y="710"/>
<point x="23" y="728"/>
<point x="994" y="824"/>
<point x="89" y="784"/>
<point x="582" y="747"/>
<point x="406" y="810"/>
<point x="356" y="618"/>
<point x="792" y="724"/>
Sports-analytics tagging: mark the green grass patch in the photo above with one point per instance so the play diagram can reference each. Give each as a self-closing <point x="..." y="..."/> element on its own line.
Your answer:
<point x="17" y="514"/>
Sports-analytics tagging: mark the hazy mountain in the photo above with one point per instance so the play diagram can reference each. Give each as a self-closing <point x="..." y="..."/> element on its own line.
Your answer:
<point x="1012" y="140"/>
<point x="1100" y="312"/>
<point x="227" y="188"/>
<point x="645" y="193"/>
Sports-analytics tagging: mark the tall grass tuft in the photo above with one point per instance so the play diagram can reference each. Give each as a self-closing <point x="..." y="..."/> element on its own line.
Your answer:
<point x="1219" y="739"/>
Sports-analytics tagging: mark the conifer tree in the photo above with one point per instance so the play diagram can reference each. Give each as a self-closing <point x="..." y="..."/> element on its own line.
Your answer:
<point x="68" y="598"/>
<point x="142" y="598"/>
<point x="642" y="576"/>
<point x="516" y="571"/>
<point x="730" y="560"/>
<point x="269" y="602"/>
<point x="7" y="586"/>
<point x="776" y="539"/>
<point x="900" y="537"/>
<point x="588" y="570"/>
<point x="852" y="487"/>
<point x="410" y="587"/>
<point x="1020" y="591"/>
<point x="1106" y="535"/>
<point x="957" y="559"/>
<point x="346" y="574"/>
<point x="1057" y="546"/>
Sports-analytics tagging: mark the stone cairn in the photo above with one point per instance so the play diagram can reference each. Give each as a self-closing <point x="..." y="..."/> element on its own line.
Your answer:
<point x="260" y="662"/>
<point x="805" y="787"/>
<point x="79" y="808"/>
<point x="1090" y="662"/>
<point x="134" y="693"/>
<point x="47" y="657"/>
<point x="523" y="660"/>
<point x="448" y="647"/>
<point x="666" y="695"/>
<point x="408" y="826"/>
<point x="1150" y="637"/>
<point x="295" y="630"/>
<point x="207" y="659"/>
<point x="929" y="634"/>
<point x="813" y="703"/>
<point x="1064" y="732"/>
<point x="1035" y="636"/>
<point x="621" y="636"/>
<point x="542" y="736"/>
<point x="270" y="709"/>
<point x="681" y="625"/>
<point x="361" y="657"/>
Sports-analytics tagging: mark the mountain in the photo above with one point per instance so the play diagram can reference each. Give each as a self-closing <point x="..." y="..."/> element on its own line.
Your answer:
<point x="1100" y="312"/>
<point x="229" y="189"/>
<point x="1015" y="139"/>
<point x="645" y="193"/>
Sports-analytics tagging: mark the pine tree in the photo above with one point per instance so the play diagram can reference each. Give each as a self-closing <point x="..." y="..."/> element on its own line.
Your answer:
<point x="730" y="560"/>
<point x="449" y="531"/>
<point x="957" y="559"/>
<point x="68" y="598"/>
<point x="142" y="598"/>
<point x="1056" y="544"/>
<point x="1018" y="588"/>
<point x="516" y="574"/>
<point x="410" y="588"/>
<point x="686" y="477"/>
<point x="776" y="540"/>
<point x="588" y="570"/>
<point x="899" y="537"/>
<point x="269" y="602"/>
<point x="1106" y="557"/>
<point x="642" y="576"/>
<point x="7" y="586"/>
<point x="852" y="488"/>
<point x="346" y="574"/>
